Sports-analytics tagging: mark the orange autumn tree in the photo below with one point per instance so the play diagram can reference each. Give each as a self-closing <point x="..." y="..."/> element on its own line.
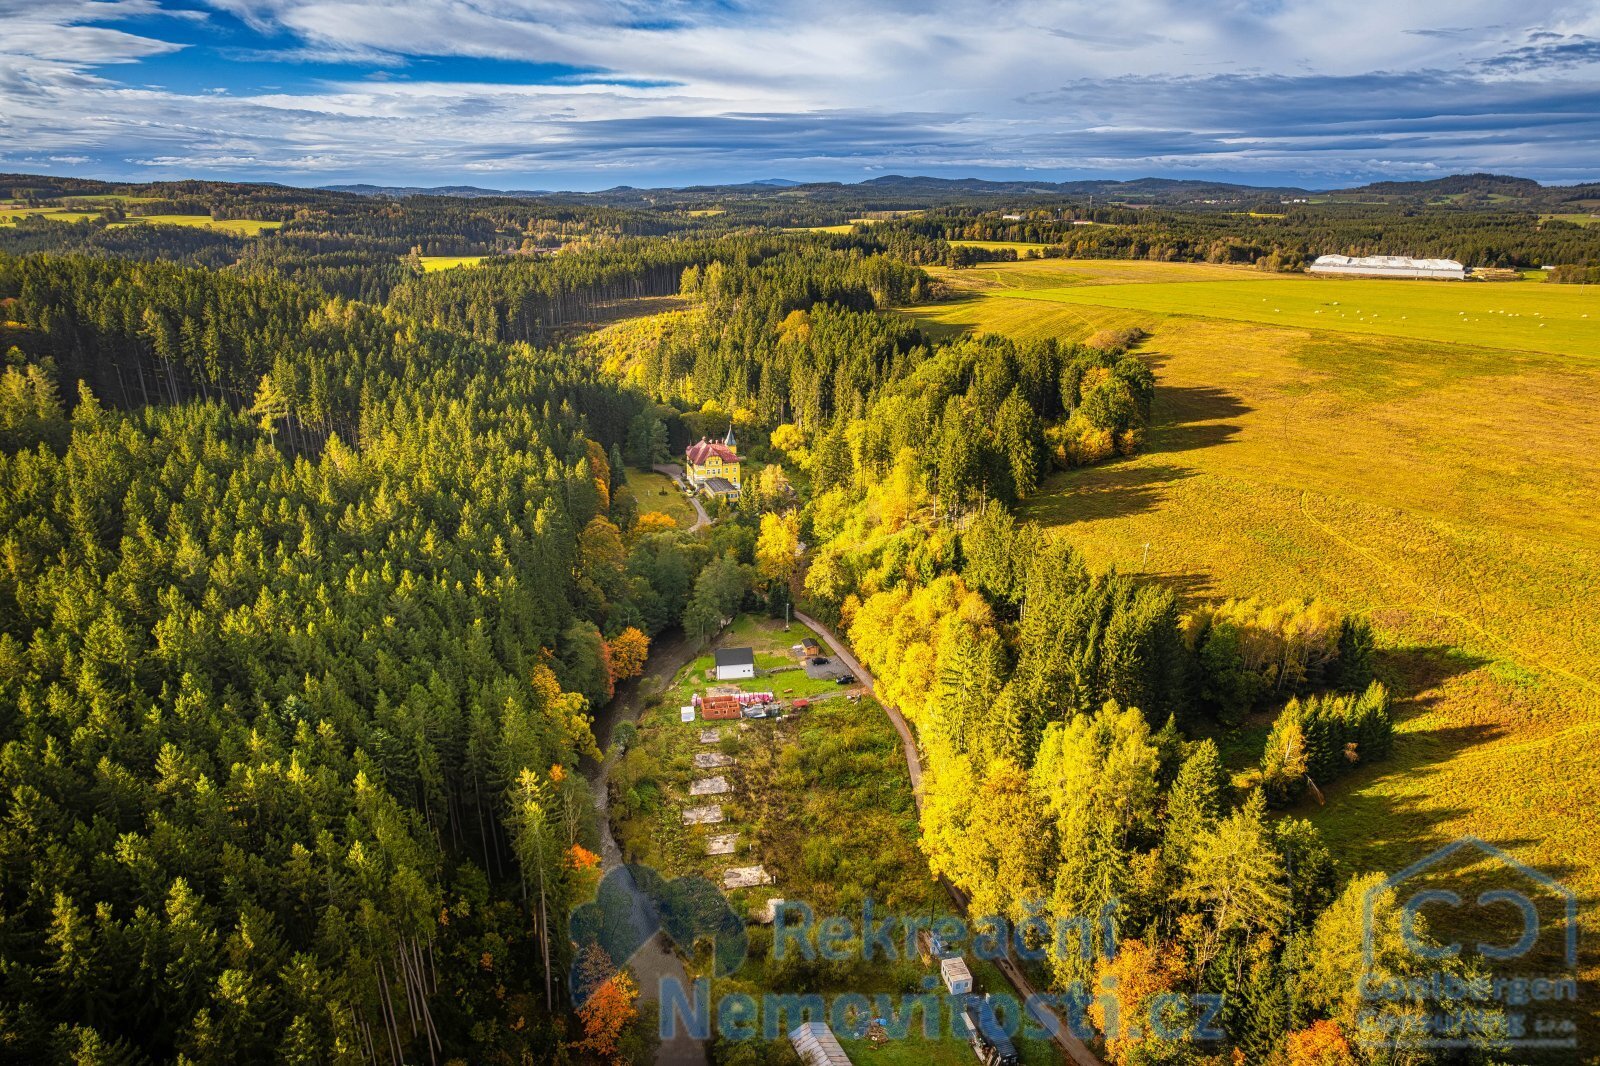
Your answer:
<point x="610" y="1008"/>
<point x="628" y="649"/>
<point x="1139" y="1025"/>
<point x="654" y="522"/>
<point x="1323" y="1044"/>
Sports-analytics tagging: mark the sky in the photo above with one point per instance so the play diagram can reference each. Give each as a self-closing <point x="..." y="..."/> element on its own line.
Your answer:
<point x="566" y="94"/>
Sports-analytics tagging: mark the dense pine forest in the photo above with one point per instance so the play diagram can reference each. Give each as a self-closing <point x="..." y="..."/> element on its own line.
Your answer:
<point x="315" y="569"/>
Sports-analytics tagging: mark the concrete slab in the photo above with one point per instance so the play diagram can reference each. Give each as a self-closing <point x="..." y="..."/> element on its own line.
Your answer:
<point x="710" y="760"/>
<point x="709" y="786"/>
<point x="710" y="736"/>
<point x="725" y="844"/>
<point x="746" y="877"/>
<point x="708" y="815"/>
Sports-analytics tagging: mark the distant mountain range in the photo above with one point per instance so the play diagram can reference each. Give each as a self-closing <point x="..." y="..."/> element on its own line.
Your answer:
<point x="891" y="192"/>
<point x="910" y="190"/>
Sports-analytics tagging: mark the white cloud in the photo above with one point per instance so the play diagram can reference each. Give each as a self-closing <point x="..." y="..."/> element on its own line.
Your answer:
<point x="822" y="86"/>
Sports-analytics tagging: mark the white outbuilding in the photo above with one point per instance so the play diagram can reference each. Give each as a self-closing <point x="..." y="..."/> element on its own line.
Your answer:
<point x="735" y="664"/>
<point x="1388" y="266"/>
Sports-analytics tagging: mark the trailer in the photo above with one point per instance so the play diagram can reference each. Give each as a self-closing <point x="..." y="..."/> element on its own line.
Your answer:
<point x="986" y="1035"/>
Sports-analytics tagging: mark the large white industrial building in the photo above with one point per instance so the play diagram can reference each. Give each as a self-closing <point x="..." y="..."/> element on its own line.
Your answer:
<point x="1389" y="266"/>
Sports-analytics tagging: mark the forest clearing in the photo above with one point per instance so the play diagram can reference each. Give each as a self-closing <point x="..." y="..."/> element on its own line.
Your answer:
<point x="822" y="801"/>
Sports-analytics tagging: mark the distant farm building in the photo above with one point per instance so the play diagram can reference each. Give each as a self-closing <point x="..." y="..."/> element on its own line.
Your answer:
<point x="735" y="664"/>
<point x="1388" y="266"/>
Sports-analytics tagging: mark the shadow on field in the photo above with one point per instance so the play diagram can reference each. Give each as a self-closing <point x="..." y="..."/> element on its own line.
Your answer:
<point x="1413" y="674"/>
<point x="1375" y="826"/>
<point x="1189" y="587"/>
<point x="1189" y="417"/>
<point x="1110" y="491"/>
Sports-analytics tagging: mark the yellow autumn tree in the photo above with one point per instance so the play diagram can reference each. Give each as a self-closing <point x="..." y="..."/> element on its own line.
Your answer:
<point x="654" y="522"/>
<point x="778" y="545"/>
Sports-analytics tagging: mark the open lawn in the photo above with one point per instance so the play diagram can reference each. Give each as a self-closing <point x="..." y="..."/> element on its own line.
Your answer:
<point x="1404" y="469"/>
<point x="823" y="801"/>
<point x="1529" y="316"/>
<point x="1579" y="219"/>
<point x="656" y="492"/>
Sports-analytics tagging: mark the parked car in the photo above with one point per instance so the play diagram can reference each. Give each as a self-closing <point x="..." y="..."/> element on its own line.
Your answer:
<point x="847" y="679"/>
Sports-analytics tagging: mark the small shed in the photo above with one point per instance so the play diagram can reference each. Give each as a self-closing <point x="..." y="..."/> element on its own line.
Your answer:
<point x="957" y="978"/>
<point x="686" y="714"/>
<point x="735" y="664"/>
<point x="816" y="1045"/>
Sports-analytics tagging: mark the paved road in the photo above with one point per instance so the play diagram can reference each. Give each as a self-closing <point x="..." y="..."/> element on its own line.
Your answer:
<point x="1075" y="1049"/>
<point x="656" y="960"/>
<point x="675" y="472"/>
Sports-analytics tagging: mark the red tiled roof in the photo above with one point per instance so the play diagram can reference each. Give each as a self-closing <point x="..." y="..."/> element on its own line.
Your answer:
<point x="699" y="453"/>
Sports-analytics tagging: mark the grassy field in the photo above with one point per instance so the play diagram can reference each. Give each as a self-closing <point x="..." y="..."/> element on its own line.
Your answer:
<point x="1559" y="319"/>
<point x="822" y="799"/>
<point x="656" y="492"/>
<point x="430" y="263"/>
<point x="244" y="227"/>
<point x="1022" y="248"/>
<point x="1580" y="219"/>
<point x="10" y="214"/>
<point x="1400" y="467"/>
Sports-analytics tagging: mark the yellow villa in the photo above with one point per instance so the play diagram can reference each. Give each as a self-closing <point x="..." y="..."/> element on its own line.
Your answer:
<point x="714" y="466"/>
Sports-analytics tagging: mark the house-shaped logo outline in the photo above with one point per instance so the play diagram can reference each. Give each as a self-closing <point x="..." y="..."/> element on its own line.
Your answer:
<point x="1438" y="855"/>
